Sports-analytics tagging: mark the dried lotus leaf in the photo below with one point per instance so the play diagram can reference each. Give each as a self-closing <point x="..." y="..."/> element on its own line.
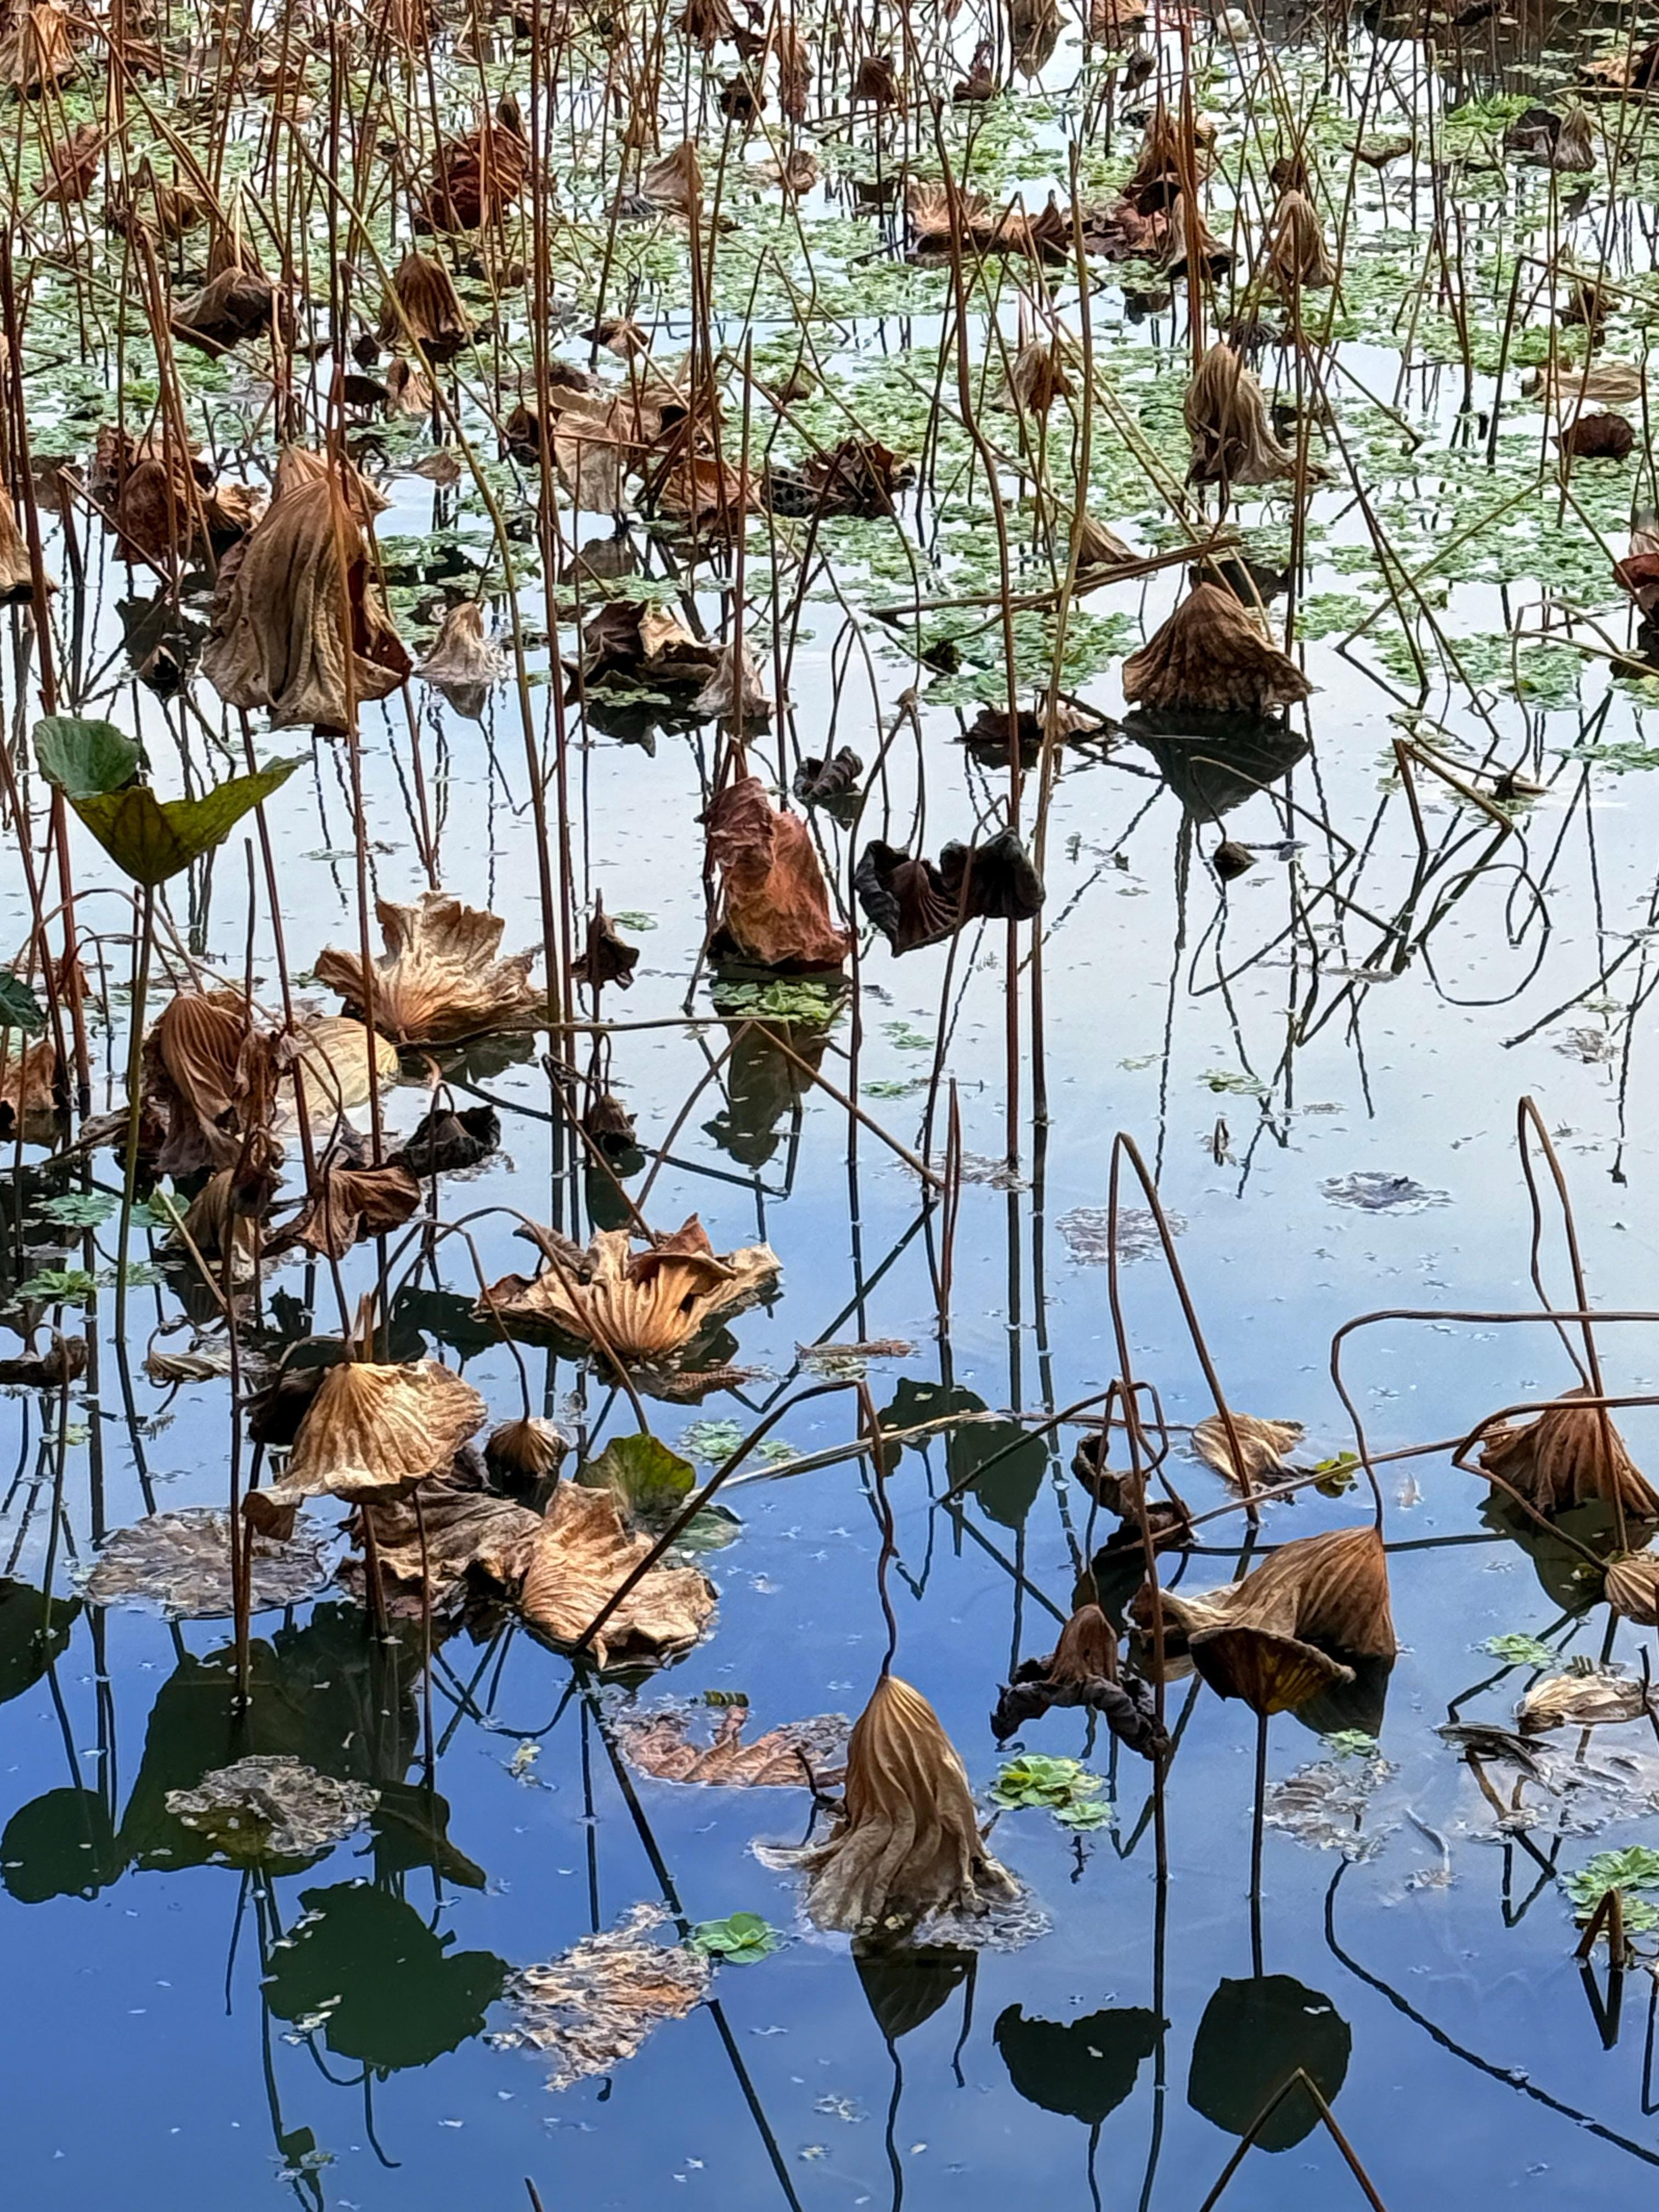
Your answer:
<point x="339" y="1060"/>
<point x="796" y="1755"/>
<point x="646" y="1306"/>
<point x="273" y="1807"/>
<point x="1273" y="1672"/>
<point x="440" y="979"/>
<point x="1213" y="656"/>
<point x="774" y="907"/>
<point x="1262" y="1445"/>
<point x="1594" y="1698"/>
<point x="1570" y="1456"/>
<point x="907" y="1842"/>
<point x="583" y="1554"/>
<point x="178" y="1565"/>
<point x="1631" y="1588"/>
<point x="371" y="1428"/>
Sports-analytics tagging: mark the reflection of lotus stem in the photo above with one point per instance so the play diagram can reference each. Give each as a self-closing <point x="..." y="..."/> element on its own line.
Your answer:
<point x="135" y="1107"/>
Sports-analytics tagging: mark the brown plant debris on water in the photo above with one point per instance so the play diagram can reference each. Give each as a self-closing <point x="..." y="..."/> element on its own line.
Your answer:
<point x="1213" y="656"/>
<point x="1285" y="1631"/>
<point x="774" y="907"/>
<point x="591" y="2007"/>
<point x="347" y="1202"/>
<point x="647" y="1306"/>
<point x="178" y="1565"/>
<point x="1226" y="418"/>
<point x="1570" y="1454"/>
<point x="557" y="1569"/>
<point x="441" y="979"/>
<point x="273" y="1807"/>
<point x="299" y="627"/>
<point x="906" y="1844"/>
<point x="1261" y="1444"/>
<point x="1083" y="1670"/>
<point x="809" y="1754"/>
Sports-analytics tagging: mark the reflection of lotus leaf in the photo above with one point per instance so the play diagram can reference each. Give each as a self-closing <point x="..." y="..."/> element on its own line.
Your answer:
<point x="25" y="1654"/>
<point x="1086" y="2068"/>
<point x="1008" y="1490"/>
<point x="905" y="1985"/>
<point x="59" y="1845"/>
<point x="393" y="1993"/>
<point x="1252" y="2037"/>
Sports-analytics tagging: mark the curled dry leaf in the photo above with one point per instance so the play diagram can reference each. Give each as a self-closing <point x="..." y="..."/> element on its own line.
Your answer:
<point x="238" y="303"/>
<point x="445" y="1142"/>
<point x="558" y="1568"/>
<point x="423" y="306"/>
<point x="1298" y="255"/>
<point x="164" y="501"/>
<point x="1226" y="418"/>
<point x="797" y="1755"/>
<point x="1270" y="1638"/>
<point x="273" y="1807"/>
<point x="300" y="585"/>
<point x="1213" y="656"/>
<point x="607" y="957"/>
<point x="441" y="979"/>
<point x="1082" y="1669"/>
<point x="1262" y="1445"/>
<point x="907" y="1842"/>
<point x="37" y="46"/>
<point x="29" y="1092"/>
<point x="476" y="180"/>
<point x="648" y="1305"/>
<point x="914" y="904"/>
<point x="337" y="1062"/>
<point x="524" y="1454"/>
<point x="464" y="664"/>
<point x="177" y="1564"/>
<point x="1570" y="1454"/>
<point x="592" y="2007"/>
<point x="371" y="1428"/>
<point x="223" y="1220"/>
<point x="208" y="1079"/>
<point x="675" y="183"/>
<point x="734" y="690"/>
<point x="1588" y="1697"/>
<point x="347" y="1203"/>
<point x="64" y="1360"/>
<point x="1631" y="1588"/>
<point x="634" y="641"/>
<point x="774" y="907"/>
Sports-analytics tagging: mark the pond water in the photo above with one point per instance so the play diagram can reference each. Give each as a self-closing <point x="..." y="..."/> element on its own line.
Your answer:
<point x="1450" y="908"/>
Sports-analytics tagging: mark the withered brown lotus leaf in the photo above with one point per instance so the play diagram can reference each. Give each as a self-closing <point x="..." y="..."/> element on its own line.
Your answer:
<point x="302" y="582"/>
<point x="201" y="1082"/>
<point x="927" y="203"/>
<point x="794" y="71"/>
<point x="464" y="664"/>
<point x="906" y="1842"/>
<point x="221" y="1224"/>
<point x="1038" y="376"/>
<point x="734" y="690"/>
<point x="1115" y="23"/>
<point x="859" y="475"/>
<point x="647" y="1306"/>
<point x="423" y="306"/>
<point x="1604" y="437"/>
<point x="706" y="24"/>
<point x="347" y="1203"/>
<point x="409" y="392"/>
<point x="1099" y="547"/>
<point x="1211" y="656"/>
<point x="28" y="1092"/>
<point x="16" y="571"/>
<point x="1190" y="241"/>
<point x="1570" y="1454"/>
<point x="522" y="1454"/>
<point x="444" y="1141"/>
<point x="1588" y="1697"/>
<point x="1226" y="418"/>
<point x="913" y="903"/>
<point x="1631" y="1588"/>
<point x="675" y="183"/>
<point x="774" y="906"/>
<point x="235" y="305"/>
<point x="797" y="1755"/>
<point x="338" y="1063"/>
<point x="476" y="180"/>
<point x="557" y="1568"/>
<point x="164" y="501"/>
<point x="1298" y="255"/>
<point x="64" y="1360"/>
<point x="1330" y="1592"/>
<point x="371" y="1428"/>
<point x="980" y="83"/>
<point x="1272" y="1672"/>
<point x="1262" y="1444"/>
<point x="819" y="782"/>
<point x="635" y="642"/>
<point x="1082" y="1669"/>
<point x="37" y="46"/>
<point x="607" y="957"/>
<point x="440" y="979"/>
<point x="72" y="164"/>
<point x="875" y="81"/>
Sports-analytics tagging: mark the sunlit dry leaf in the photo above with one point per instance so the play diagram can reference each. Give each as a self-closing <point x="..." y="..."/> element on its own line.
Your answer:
<point x="441" y="979"/>
<point x="28" y="1091"/>
<point x="1587" y="1697"/>
<point x="907" y="1842"/>
<point x="1263" y="1445"/>
<point x="647" y="1306"/>
<point x="1569" y="1455"/>
<point x="371" y="1428"/>
<point x="336" y="1060"/>
<point x="734" y="690"/>
<point x="592" y="2007"/>
<point x="1297" y="253"/>
<point x="1631" y="1588"/>
<point x="1082" y="1669"/>
<point x="208" y="1079"/>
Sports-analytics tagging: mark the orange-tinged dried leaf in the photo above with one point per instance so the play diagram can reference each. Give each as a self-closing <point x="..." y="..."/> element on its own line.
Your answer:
<point x="440" y="979"/>
<point x="646" y="1306"/>
<point x="371" y="1428"/>
<point x="776" y="908"/>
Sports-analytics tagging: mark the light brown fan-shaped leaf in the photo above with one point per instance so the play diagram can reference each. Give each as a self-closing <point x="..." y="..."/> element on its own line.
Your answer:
<point x="646" y="1306"/>
<point x="1262" y="1445"/>
<point x="441" y="979"/>
<point x="371" y="1428"/>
